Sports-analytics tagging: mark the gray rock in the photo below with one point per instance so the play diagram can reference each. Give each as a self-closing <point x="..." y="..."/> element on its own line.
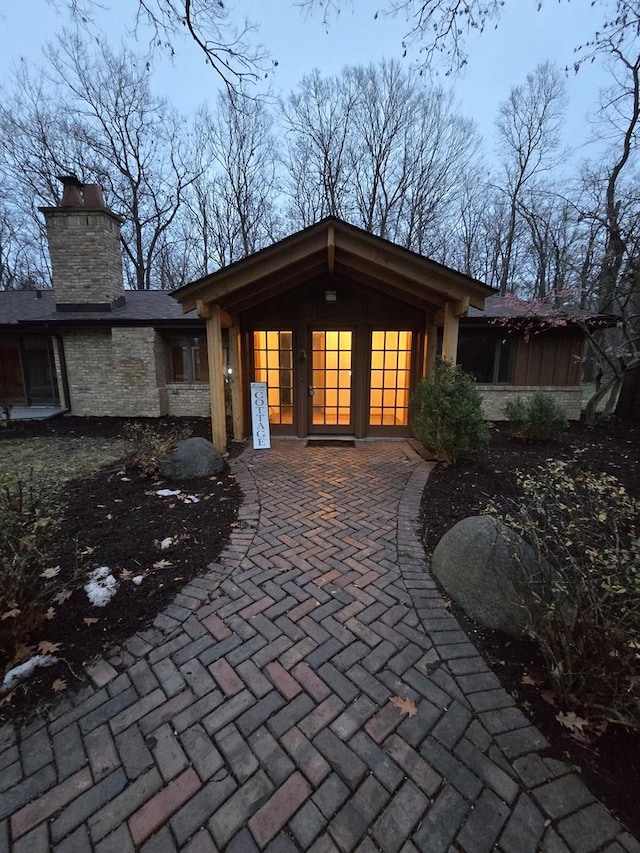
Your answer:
<point x="193" y="457"/>
<point x="489" y="571"/>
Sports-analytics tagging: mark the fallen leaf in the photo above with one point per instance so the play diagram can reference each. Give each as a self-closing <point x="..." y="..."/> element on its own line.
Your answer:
<point x="7" y="699"/>
<point x="108" y="516"/>
<point x="59" y="684"/>
<point x="46" y="647"/>
<point x="161" y="564"/>
<point x="405" y="706"/>
<point x="572" y="721"/>
<point x="90" y="620"/>
<point x="62" y="596"/>
<point x="125" y="575"/>
<point x="11" y="614"/>
<point x="50" y="573"/>
<point x="528" y="679"/>
<point x="447" y="603"/>
<point x="88" y="550"/>
<point x="50" y="613"/>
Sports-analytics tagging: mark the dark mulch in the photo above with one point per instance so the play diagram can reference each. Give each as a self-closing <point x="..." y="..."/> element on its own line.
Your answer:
<point x="610" y="764"/>
<point x="115" y="518"/>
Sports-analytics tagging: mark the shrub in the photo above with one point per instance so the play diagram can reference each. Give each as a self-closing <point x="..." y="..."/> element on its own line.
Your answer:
<point x="537" y="419"/>
<point x="587" y="622"/>
<point x="150" y="442"/>
<point x="447" y="413"/>
<point x="30" y="516"/>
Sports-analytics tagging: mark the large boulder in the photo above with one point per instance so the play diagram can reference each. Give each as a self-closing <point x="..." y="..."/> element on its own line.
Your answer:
<point x="193" y="457"/>
<point x="489" y="571"/>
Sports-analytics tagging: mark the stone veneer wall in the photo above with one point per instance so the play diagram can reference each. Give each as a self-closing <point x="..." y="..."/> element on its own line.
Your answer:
<point x="135" y="378"/>
<point x="86" y="257"/>
<point x="121" y="372"/>
<point x="188" y="400"/>
<point x="494" y="398"/>
<point x="89" y="359"/>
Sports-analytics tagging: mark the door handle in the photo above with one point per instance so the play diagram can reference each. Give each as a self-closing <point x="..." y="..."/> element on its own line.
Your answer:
<point x="311" y="390"/>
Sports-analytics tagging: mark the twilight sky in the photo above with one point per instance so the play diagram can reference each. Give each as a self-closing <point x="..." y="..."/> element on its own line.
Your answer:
<point x="498" y="59"/>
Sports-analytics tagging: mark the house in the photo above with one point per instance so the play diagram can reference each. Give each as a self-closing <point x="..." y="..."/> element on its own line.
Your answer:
<point x="341" y="324"/>
<point x="515" y="348"/>
<point x="89" y="347"/>
<point x="338" y="322"/>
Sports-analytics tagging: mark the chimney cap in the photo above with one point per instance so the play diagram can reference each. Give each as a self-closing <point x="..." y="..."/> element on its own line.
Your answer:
<point x="70" y="181"/>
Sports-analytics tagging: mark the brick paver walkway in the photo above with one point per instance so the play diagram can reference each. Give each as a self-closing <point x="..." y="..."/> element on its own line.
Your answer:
<point x="257" y="713"/>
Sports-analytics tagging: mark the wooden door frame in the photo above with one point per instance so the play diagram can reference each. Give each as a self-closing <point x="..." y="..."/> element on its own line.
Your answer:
<point x="331" y="429"/>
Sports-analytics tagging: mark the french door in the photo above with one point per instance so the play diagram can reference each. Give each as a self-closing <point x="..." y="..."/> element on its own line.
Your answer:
<point x="330" y="392"/>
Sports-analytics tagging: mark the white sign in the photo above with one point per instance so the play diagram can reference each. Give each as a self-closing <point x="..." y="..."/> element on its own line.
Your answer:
<point x="260" y="416"/>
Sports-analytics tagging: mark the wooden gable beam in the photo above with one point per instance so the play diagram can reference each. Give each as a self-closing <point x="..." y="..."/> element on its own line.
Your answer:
<point x="331" y="249"/>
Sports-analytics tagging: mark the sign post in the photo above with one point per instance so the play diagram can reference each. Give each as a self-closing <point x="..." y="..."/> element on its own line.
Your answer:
<point x="260" y="416"/>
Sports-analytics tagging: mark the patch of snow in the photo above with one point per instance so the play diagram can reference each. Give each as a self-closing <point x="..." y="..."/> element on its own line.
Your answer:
<point x="167" y="493"/>
<point x="166" y="543"/>
<point x="24" y="670"/>
<point x="192" y="499"/>
<point x="101" y="586"/>
<point x="137" y="580"/>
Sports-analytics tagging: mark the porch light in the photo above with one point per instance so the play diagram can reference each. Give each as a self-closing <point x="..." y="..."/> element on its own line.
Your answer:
<point x="331" y="296"/>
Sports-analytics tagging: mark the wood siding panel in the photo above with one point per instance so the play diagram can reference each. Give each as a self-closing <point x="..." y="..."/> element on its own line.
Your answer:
<point x="549" y="359"/>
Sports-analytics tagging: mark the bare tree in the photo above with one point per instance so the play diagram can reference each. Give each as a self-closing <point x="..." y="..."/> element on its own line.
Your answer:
<point x="232" y="204"/>
<point x="442" y="27"/>
<point x="528" y="124"/>
<point x="226" y="44"/>
<point x="376" y="146"/>
<point x="318" y="120"/>
<point x="95" y="115"/>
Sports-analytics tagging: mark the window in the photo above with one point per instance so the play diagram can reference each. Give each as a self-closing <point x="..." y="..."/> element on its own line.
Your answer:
<point x="390" y="378"/>
<point x="187" y="359"/>
<point x="487" y="356"/>
<point x="273" y="364"/>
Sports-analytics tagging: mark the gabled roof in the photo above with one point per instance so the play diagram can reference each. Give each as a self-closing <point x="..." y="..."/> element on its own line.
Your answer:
<point x="332" y="247"/>
<point x="141" y="307"/>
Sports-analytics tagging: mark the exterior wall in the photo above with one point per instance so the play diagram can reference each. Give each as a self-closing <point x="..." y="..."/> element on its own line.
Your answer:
<point x="495" y="397"/>
<point x="86" y="258"/>
<point x="135" y="380"/>
<point x="89" y="358"/>
<point x="188" y="401"/>
<point x="112" y="372"/>
<point x="121" y="372"/>
<point x="551" y="358"/>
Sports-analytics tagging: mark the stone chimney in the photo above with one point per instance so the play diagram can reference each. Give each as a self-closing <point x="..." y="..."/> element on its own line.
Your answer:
<point x="84" y="245"/>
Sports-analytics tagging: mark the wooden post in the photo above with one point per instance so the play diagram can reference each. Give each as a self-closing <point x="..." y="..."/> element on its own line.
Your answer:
<point x="450" y="333"/>
<point x="235" y="381"/>
<point x="216" y="380"/>
<point x="430" y="347"/>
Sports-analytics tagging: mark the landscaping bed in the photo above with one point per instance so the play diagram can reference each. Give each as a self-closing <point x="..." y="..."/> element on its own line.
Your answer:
<point x="110" y="516"/>
<point x="607" y="756"/>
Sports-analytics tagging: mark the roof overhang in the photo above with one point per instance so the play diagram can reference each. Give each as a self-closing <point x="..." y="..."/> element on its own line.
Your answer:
<point x="332" y="247"/>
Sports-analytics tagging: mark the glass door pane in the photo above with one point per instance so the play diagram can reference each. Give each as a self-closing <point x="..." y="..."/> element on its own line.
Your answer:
<point x="273" y="364"/>
<point x="390" y="378"/>
<point x="331" y="378"/>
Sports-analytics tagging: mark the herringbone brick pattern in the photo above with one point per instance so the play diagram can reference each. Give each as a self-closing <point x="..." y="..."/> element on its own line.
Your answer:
<point x="256" y="713"/>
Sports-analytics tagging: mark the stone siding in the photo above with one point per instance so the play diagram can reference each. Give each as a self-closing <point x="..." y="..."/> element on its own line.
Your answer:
<point x="121" y="372"/>
<point x="89" y="360"/>
<point x="495" y="397"/>
<point x="135" y="378"/>
<point x="86" y="257"/>
<point x="188" y="400"/>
